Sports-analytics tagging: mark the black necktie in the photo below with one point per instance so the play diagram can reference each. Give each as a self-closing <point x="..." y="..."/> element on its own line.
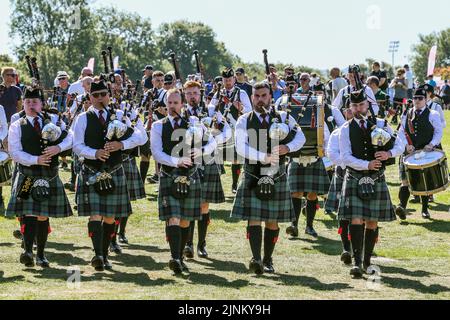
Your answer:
<point x="175" y="123"/>
<point x="37" y="125"/>
<point x="100" y="117"/>
<point x="264" y="123"/>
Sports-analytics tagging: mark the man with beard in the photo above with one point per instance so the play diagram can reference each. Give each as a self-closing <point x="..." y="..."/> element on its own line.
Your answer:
<point x="179" y="151"/>
<point x="102" y="193"/>
<point x="238" y="103"/>
<point x="365" y="197"/>
<point x="212" y="191"/>
<point x="263" y="193"/>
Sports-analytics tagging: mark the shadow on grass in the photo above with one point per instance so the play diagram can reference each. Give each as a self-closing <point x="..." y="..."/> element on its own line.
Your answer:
<point x="313" y="283"/>
<point x="213" y="279"/>
<point x="137" y="261"/>
<point x="65" y="246"/>
<point x="402" y="271"/>
<point x="440" y="207"/>
<point x="418" y="286"/>
<point x="11" y="279"/>
<point x="433" y="225"/>
<point x="8" y="244"/>
<point x="226" y="266"/>
<point x="136" y="247"/>
<point x="323" y="245"/>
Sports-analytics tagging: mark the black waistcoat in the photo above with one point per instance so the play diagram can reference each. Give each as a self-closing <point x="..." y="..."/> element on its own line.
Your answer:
<point x="361" y="142"/>
<point x="423" y="129"/>
<point x="262" y="143"/>
<point x="32" y="142"/>
<point x="169" y="143"/>
<point x="95" y="138"/>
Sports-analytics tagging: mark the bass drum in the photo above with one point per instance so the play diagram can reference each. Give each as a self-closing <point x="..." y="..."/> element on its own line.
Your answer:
<point x="427" y="172"/>
<point x="5" y="168"/>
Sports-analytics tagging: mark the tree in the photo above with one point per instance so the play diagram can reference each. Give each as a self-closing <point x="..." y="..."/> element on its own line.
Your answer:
<point x="421" y="52"/>
<point x="183" y="37"/>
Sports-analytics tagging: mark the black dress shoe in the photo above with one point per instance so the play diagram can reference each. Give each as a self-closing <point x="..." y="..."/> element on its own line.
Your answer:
<point x="201" y="252"/>
<point x="431" y="198"/>
<point x="329" y="213"/>
<point x="69" y="186"/>
<point x="153" y="179"/>
<point x="107" y="265"/>
<point x="256" y="266"/>
<point x="268" y="266"/>
<point x="114" y="247"/>
<point x="17" y="234"/>
<point x="123" y="239"/>
<point x="416" y="199"/>
<point x="175" y="266"/>
<point x="400" y="212"/>
<point x="356" y="271"/>
<point x="98" y="263"/>
<point x="311" y="232"/>
<point x="184" y="267"/>
<point x="26" y="259"/>
<point x="346" y="258"/>
<point x="42" y="262"/>
<point x="292" y="231"/>
<point x="426" y="215"/>
<point x="189" y="251"/>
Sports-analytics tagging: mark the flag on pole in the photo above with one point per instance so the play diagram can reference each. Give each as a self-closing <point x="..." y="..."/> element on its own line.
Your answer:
<point x="91" y="64"/>
<point x="432" y="61"/>
<point x="116" y="63"/>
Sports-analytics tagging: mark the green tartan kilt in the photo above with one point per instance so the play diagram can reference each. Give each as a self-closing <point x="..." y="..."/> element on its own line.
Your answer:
<point x="57" y="205"/>
<point x="247" y="206"/>
<point x="352" y="207"/>
<point x="90" y="203"/>
<point x="312" y="178"/>
<point x="135" y="186"/>
<point x="185" y="209"/>
<point x="334" y="195"/>
<point x="212" y="191"/>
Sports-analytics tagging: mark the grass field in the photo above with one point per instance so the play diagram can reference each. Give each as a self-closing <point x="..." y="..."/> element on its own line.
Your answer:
<point x="413" y="257"/>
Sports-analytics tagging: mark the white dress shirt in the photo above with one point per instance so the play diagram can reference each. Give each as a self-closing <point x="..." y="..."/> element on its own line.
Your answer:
<point x="76" y="87"/>
<point x="79" y="128"/>
<point x="333" y="151"/>
<point x="438" y="108"/>
<point x="435" y="121"/>
<point x="243" y="147"/>
<point x="338" y="102"/>
<point x="345" y="146"/>
<point x="15" y="145"/>
<point x="3" y="124"/>
<point x="156" y="142"/>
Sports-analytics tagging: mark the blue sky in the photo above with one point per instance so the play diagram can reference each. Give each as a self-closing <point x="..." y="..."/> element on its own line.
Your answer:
<point x="319" y="34"/>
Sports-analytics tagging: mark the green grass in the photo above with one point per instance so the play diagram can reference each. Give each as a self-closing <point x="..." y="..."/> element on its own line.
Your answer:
<point x="414" y="259"/>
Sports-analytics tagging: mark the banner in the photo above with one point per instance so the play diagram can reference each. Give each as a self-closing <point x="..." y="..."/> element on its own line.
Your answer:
<point x="91" y="64"/>
<point x="432" y="61"/>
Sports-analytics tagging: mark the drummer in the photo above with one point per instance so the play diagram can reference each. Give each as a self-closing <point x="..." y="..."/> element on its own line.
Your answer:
<point x="422" y="128"/>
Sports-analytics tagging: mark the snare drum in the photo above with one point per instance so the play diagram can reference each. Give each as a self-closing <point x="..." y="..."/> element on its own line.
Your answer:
<point x="5" y="168"/>
<point x="427" y="172"/>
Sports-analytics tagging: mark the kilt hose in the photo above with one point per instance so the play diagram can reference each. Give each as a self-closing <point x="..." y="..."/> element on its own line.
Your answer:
<point x="186" y="209"/>
<point x="334" y="194"/>
<point x="247" y="206"/>
<point x="212" y="191"/>
<point x="402" y="169"/>
<point x="135" y="186"/>
<point x="90" y="203"/>
<point x="312" y="178"/>
<point x="56" y="206"/>
<point x="352" y="207"/>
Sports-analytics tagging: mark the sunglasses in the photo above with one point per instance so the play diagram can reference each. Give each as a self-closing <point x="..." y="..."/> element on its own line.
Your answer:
<point x="98" y="94"/>
<point x="418" y="98"/>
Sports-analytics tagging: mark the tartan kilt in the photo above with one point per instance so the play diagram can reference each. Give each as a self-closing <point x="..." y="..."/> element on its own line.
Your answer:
<point x="312" y="178"/>
<point x="352" y="207"/>
<point x="334" y="194"/>
<point x="247" y="206"/>
<point x="57" y="205"/>
<point x="90" y="203"/>
<point x="135" y="186"/>
<point x="185" y="209"/>
<point x="212" y="191"/>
